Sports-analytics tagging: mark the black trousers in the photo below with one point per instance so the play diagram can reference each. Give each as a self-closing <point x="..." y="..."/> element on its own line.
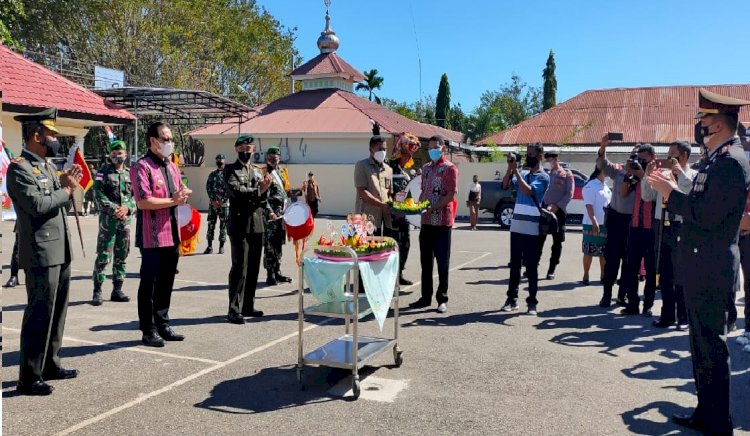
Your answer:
<point x="158" y="268"/>
<point x="43" y="320"/>
<point x="435" y="246"/>
<point x="524" y="250"/>
<point x="672" y="295"/>
<point x="618" y="229"/>
<point x="400" y="233"/>
<point x="557" y="239"/>
<point x="243" y="277"/>
<point x="707" y="318"/>
<point x="14" y="259"/>
<point x="641" y="246"/>
<point x="744" y="244"/>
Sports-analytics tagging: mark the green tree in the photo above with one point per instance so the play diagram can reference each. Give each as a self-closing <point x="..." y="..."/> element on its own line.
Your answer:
<point x="11" y="11"/>
<point x="401" y="108"/>
<point x="499" y="110"/>
<point x="443" y="102"/>
<point x="549" y="98"/>
<point x="371" y="83"/>
<point x="230" y="47"/>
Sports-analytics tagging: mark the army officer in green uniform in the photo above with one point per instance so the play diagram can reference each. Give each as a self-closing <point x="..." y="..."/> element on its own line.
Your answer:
<point x="709" y="255"/>
<point x="247" y="185"/>
<point x="113" y="192"/>
<point x="274" y="235"/>
<point x="218" y="205"/>
<point x="44" y="251"/>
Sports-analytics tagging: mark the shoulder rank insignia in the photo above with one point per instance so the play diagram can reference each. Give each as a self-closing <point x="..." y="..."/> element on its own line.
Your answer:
<point x="36" y="170"/>
<point x="19" y="159"/>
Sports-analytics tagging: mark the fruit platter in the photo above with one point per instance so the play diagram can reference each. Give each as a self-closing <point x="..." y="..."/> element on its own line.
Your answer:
<point x="408" y="207"/>
<point x="356" y="234"/>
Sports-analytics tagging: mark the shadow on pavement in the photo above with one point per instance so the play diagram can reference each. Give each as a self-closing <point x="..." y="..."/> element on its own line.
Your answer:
<point x="22" y="307"/>
<point x="641" y="425"/>
<point x="280" y="389"/>
<point x="489" y="317"/>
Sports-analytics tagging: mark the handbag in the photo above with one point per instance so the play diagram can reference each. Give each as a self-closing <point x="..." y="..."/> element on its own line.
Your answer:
<point x="548" y="224"/>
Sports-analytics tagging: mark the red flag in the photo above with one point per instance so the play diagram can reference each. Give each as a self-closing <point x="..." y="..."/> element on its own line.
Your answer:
<point x="75" y="157"/>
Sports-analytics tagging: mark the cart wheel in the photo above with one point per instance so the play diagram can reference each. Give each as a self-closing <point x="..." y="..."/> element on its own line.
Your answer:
<point x="356" y="389"/>
<point x="399" y="358"/>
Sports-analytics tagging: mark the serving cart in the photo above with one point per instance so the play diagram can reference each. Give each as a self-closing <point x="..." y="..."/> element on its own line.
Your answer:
<point x="350" y="351"/>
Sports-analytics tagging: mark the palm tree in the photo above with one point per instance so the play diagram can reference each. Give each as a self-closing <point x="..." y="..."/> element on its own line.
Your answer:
<point x="371" y="83"/>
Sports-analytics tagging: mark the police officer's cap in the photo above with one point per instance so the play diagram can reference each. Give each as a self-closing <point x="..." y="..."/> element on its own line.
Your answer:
<point x="46" y="118"/>
<point x="244" y="139"/>
<point x="711" y="103"/>
<point x="273" y="150"/>
<point x="116" y="145"/>
<point x="220" y="156"/>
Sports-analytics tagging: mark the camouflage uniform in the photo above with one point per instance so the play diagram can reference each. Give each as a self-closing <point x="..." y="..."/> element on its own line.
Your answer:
<point x="275" y="234"/>
<point x="217" y="191"/>
<point x="112" y="188"/>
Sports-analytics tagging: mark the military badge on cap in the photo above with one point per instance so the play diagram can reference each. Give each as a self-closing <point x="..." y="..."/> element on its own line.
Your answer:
<point x="711" y="103"/>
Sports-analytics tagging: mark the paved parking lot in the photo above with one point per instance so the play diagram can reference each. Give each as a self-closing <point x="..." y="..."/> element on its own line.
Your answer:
<point x="574" y="369"/>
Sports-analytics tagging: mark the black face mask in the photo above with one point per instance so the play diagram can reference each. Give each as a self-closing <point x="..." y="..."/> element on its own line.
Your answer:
<point x="53" y="147"/>
<point x="531" y="161"/>
<point x="700" y="132"/>
<point x="219" y="163"/>
<point x="244" y="156"/>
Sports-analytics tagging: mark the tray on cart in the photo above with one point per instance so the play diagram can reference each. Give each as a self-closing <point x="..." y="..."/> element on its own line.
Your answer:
<point x="340" y="309"/>
<point x="338" y="352"/>
<point x="366" y="258"/>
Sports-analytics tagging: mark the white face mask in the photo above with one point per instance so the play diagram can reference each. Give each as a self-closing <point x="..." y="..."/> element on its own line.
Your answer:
<point x="379" y="156"/>
<point x="547" y="166"/>
<point x="166" y="148"/>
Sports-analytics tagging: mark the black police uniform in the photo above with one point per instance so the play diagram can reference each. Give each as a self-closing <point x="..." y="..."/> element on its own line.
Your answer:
<point x="709" y="266"/>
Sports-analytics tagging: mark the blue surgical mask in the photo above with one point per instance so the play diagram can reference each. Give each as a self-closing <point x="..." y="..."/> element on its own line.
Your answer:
<point x="435" y="154"/>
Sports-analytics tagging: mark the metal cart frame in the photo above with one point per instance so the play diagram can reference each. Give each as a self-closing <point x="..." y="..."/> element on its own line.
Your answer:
<point x="347" y="351"/>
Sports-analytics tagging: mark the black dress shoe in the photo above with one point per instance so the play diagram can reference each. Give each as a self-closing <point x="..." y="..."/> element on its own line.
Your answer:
<point x="282" y="278"/>
<point x="235" y="318"/>
<point x="254" y="313"/>
<point x="271" y="281"/>
<point x="605" y="302"/>
<point x="630" y="311"/>
<point x="209" y="250"/>
<point x="152" y="340"/>
<point x="404" y="282"/>
<point x="60" y="374"/>
<point x="647" y="312"/>
<point x="169" y="335"/>
<point x="420" y="304"/>
<point x="687" y="421"/>
<point x="12" y="282"/>
<point x="663" y="323"/>
<point x="38" y="387"/>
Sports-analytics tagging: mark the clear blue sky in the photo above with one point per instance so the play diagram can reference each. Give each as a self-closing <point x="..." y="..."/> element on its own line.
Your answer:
<point x="481" y="43"/>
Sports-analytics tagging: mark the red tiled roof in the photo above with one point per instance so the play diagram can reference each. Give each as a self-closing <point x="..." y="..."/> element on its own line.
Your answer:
<point x="328" y="64"/>
<point x="324" y="111"/>
<point x="658" y="115"/>
<point x="27" y="84"/>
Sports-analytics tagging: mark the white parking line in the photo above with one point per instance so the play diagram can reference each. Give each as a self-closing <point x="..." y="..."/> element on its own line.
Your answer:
<point x="128" y="348"/>
<point x="214" y="368"/>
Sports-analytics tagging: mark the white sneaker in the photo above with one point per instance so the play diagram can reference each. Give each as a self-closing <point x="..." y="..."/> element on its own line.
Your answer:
<point x="442" y="308"/>
<point x="744" y="339"/>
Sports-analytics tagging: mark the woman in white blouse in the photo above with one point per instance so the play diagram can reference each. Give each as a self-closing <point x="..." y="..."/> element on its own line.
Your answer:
<point x="475" y="194"/>
<point x="596" y="197"/>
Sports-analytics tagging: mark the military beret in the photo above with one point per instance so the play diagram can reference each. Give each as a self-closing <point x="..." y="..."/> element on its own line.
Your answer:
<point x="46" y="118"/>
<point x="244" y="138"/>
<point x="273" y="150"/>
<point x="712" y="103"/>
<point x="220" y="156"/>
<point x="116" y="145"/>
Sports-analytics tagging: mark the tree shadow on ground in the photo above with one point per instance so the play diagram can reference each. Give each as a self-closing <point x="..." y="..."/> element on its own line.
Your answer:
<point x="483" y="268"/>
<point x="502" y="282"/>
<point x="612" y="334"/>
<point x="280" y="388"/>
<point x="216" y="287"/>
